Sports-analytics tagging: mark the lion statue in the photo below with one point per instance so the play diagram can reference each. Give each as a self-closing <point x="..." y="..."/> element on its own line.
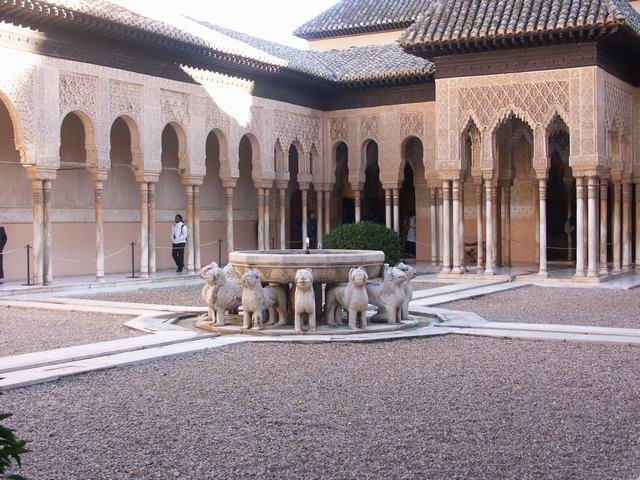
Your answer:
<point x="220" y="294"/>
<point x="305" y="299"/>
<point x="351" y="297"/>
<point x="410" y="272"/>
<point x="388" y="295"/>
<point x="256" y="299"/>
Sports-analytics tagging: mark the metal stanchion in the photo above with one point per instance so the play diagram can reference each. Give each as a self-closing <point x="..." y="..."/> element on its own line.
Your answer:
<point x="133" y="261"/>
<point x="28" y="247"/>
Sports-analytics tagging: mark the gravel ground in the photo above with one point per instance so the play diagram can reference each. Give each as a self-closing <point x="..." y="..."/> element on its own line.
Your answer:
<point x="24" y="330"/>
<point x="439" y="408"/>
<point x="184" y="295"/>
<point x="426" y="285"/>
<point x="569" y="306"/>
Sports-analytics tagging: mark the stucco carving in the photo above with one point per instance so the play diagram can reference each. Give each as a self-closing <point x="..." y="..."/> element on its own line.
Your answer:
<point x="338" y="130"/>
<point x="78" y="92"/>
<point x="125" y="99"/>
<point x="290" y="126"/>
<point x="174" y="107"/>
<point x="19" y="91"/>
<point x="618" y="109"/>
<point x="215" y="117"/>
<point x="412" y="124"/>
<point x="369" y="127"/>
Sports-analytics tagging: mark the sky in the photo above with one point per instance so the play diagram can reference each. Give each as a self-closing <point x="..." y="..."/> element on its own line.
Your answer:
<point x="270" y="19"/>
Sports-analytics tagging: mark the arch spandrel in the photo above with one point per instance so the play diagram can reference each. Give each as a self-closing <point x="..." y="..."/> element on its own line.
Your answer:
<point x="25" y="151"/>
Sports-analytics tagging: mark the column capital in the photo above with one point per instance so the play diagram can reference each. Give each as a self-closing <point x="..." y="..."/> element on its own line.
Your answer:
<point x="35" y="172"/>
<point x="146" y="176"/>
<point x="98" y="174"/>
<point x="542" y="173"/>
<point x="229" y="182"/>
<point x="265" y="184"/>
<point x="587" y="170"/>
<point x="282" y="184"/>
<point x="192" y="180"/>
<point x="451" y="174"/>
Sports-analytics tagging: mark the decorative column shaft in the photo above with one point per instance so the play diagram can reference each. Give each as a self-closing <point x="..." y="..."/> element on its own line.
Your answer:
<point x="446" y="226"/>
<point x="267" y="218"/>
<point x="497" y="225"/>
<point x="592" y="226"/>
<point x="455" y="197"/>
<point x="98" y="189"/>
<point x="637" y="191"/>
<point x="305" y="215"/>
<point x="479" y="226"/>
<point x="580" y="253"/>
<point x="152" y="227"/>
<point x="542" y="226"/>
<point x="626" y="226"/>
<point x="188" y="191"/>
<point x="327" y="211"/>
<point x="387" y="207"/>
<point x="489" y="264"/>
<point x="144" y="229"/>
<point x="433" y="209"/>
<point x="536" y="215"/>
<point x="260" y="219"/>
<point x="440" y="236"/>
<point x="230" y="244"/>
<point x="282" y="193"/>
<point x="604" y="186"/>
<point x="319" y="217"/>
<point x="463" y="262"/>
<point x="617" y="264"/>
<point x="48" y="232"/>
<point x="38" y="232"/>
<point x="357" y="206"/>
<point x="506" y="192"/>
<point x="396" y="210"/>
<point x="196" y="228"/>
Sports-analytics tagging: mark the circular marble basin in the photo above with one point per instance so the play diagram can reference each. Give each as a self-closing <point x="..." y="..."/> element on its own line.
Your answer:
<point x="328" y="266"/>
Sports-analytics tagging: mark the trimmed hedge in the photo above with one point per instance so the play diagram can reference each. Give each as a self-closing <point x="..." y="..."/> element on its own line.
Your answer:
<point x="366" y="236"/>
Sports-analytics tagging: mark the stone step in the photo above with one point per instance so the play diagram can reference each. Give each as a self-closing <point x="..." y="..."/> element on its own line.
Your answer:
<point x="467" y="293"/>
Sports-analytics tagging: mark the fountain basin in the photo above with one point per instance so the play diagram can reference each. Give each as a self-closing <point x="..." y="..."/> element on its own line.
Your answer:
<point x="328" y="265"/>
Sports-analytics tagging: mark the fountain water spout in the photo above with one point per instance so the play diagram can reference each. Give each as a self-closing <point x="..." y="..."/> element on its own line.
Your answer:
<point x="306" y="245"/>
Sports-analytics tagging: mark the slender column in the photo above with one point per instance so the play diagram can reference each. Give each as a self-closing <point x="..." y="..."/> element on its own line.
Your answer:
<point x="440" y="238"/>
<point x="580" y="253"/>
<point x="152" y="227"/>
<point x="396" y="210"/>
<point x="99" y="231"/>
<point x="626" y="226"/>
<point x="542" y="208"/>
<point x="357" y="206"/>
<point x="188" y="190"/>
<point x="434" y="226"/>
<point x="387" y="207"/>
<point x="637" y="191"/>
<point x="230" y="245"/>
<point x="196" y="228"/>
<point x="604" y="186"/>
<point x="536" y="215"/>
<point x="490" y="263"/>
<point x="260" y="219"/>
<point x="568" y="183"/>
<point x="267" y="218"/>
<point x="305" y="215"/>
<point x="48" y="240"/>
<point x="38" y="232"/>
<point x="463" y="262"/>
<point x="497" y="225"/>
<point x="617" y="264"/>
<point x="506" y="192"/>
<point x="144" y="229"/>
<point x="282" y="194"/>
<point x="585" y="222"/>
<point x="319" y="217"/>
<point x="479" y="226"/>
<point x="327" y="211"/>
<point x="592" y="226"/>
<point x="455" y="196"/>
<point x="446" y="227"/>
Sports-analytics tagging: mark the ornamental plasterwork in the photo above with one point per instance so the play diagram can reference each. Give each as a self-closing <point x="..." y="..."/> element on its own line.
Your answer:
<point x="255" y="122"/>
<point x="338" y="129"/>
<point x="215" y="117"/>
<point x="78" y="92"/>
<point x="19" y="89"/>
<point x="174" y="107"/>
<point x="412" y="125"/>
<point x="294" y="126"/>
<point x="125" y="99"/>
<point x="369" y="127"/>
<point x="618" y="108"/>
<point x="637" y="126"/>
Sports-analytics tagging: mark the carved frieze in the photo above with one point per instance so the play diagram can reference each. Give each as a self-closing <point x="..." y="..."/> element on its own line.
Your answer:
<point x="125" y="99"/>
<point x="215" y="117"/>
<point x="294" y="126"/>
<point x="412" y="125"/>
<point x="19" y="90"/>
<point x="338" y="129"/>
<point x="175" y="107"/>
<point x="78" y="92"/>
<point x="618" y="109"/>
<point x="369" y="127"/>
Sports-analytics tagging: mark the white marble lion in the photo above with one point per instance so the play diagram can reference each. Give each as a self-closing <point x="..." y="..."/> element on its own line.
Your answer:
<point x="304" y="300"/>
<point x="351" y="297"/>
<point x="256" y="299"/>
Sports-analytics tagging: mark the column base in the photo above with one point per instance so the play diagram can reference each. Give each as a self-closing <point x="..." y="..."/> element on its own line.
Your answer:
<point x="100" y="279"/>
<point x="579" y="275"/>
<point x="592" y="274"/>
<point x="445" y="270"/>
<point x="489" y="271"/>
<point x="456" y="270"/>
<point x="543" y="274"/>
<point x="603" y="271"/>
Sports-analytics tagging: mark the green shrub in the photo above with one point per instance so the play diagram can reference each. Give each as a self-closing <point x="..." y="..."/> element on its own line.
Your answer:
<point x="10" y="449"/>
<point x="366" y="236"/>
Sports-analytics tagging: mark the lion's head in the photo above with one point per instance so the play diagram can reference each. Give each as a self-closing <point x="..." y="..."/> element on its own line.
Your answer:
<point x="408" y="270"/>
<point x="251" y="279"/>
<point x="358" y="277"/>
<point x="304" y="279"/>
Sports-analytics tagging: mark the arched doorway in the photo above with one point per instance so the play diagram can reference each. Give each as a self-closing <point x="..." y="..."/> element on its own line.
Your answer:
<point x="561" y="192"/>
<point x="413" y="185"/>
<point x="246" y="196"/>
<point x="294" y="196"/>
<point x="373" y="208"/>
<point x="343" y="210"/>
<point x="212" y="204"/>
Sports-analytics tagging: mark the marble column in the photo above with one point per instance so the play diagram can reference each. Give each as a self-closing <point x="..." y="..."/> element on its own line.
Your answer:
<point x="305" y="215"/>
<point x="592" y="226"/>
<point x="536" y="216"/>
<point x="387" y="207"/>
<point x="433" y="208"/>
<point x="455" y="197"/>
<point x="497" y="225"/>
<point x="319" y="217"/>
<point x="479" y="226"/>
<point x="327" y="211"/>
<point x="267" y="218"/>
<point x="151" y="242"/>
<point x="48" y="232"/>
<point x="260" y="219"/>
<point x="446" y="226"/>
<point x="440" y="238"/>
<point x="188" y="195"/>
<point x="568" y="184"/>
<point x="196" y="228"/>
<point x="626" y="226"/>
<point x="357" y="206"/>
<point x="637" y="192"/>
<point x="144" y="229"/>
<point x="396" y="210"/>
<point x="463" y="262"/>
<point x="98" y="189"/>
<point x="38" y="232"/>
<point x="489" y="262"/>
<point x="580" y="227"/>
<point x="506" y="192"/>
<point x="282" y="221"/>
<point x="542" y="226"/>
<point x="229" y="195"/>
<point x="617" y="263"/>
<point x="604" y="186"/>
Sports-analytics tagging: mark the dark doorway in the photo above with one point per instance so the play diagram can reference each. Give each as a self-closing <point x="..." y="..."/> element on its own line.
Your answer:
<point x="373" y="195"/>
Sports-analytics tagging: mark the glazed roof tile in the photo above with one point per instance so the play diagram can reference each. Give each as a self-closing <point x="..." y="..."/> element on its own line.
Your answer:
<point x="350" y="17"/>
<point x="451" y="22"/>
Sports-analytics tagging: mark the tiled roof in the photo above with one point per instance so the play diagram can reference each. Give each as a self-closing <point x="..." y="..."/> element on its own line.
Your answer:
<point x="449" y="25"/>
<point x="350" y="17"/>
<point x="204" y="45"/>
